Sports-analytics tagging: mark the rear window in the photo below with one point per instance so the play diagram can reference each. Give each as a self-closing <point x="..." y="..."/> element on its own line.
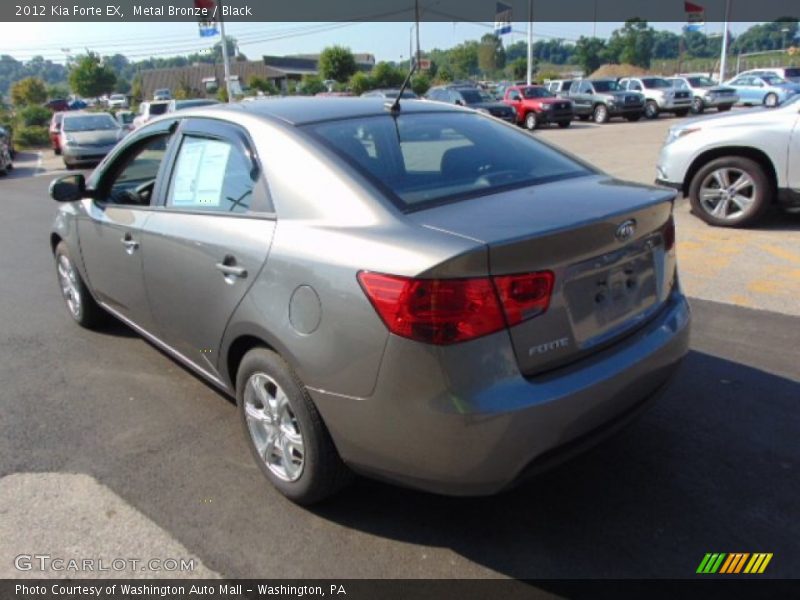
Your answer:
<point x="606" y="86"/>
<point x="90" y="123"/>
<point x="426" y="159"/>
<point x="792" y="72"/>
<point x="653" y="83"/>
<point x="158" y="109"/>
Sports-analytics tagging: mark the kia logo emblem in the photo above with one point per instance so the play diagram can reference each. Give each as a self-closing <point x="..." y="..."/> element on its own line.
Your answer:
<point x="626" y="230"/>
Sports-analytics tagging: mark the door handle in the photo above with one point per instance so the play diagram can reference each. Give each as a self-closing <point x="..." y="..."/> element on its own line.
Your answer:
<point x="130" y="244"/>
<point x="229" y="268"/>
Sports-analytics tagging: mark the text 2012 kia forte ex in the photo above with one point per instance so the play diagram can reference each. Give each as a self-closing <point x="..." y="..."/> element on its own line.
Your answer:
<point x="421" y="293"/>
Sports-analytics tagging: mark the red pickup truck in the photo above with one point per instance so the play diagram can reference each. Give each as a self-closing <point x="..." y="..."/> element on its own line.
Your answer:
<point x="536" y="105"/>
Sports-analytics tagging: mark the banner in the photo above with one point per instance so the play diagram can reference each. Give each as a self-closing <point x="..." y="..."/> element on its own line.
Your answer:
<point x="502" y="19"/>
<point x="695" y="17"/>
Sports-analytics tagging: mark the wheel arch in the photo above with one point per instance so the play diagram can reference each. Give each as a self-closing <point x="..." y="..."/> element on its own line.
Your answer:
<point x="753" y="154"/>
<point x="55" y="240"/>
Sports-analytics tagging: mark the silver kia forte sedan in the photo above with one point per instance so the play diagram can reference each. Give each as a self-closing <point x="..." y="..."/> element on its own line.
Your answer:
<point x="425" y="295"/>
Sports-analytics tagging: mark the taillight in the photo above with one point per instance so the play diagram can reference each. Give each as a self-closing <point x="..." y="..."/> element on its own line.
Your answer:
<point x="669" y="234"/>
<point x="447" y="311"/>
<point x="524" y="296"/>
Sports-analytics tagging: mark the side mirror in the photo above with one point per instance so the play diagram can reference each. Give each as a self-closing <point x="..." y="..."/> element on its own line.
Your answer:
<point x="68" y="188"/>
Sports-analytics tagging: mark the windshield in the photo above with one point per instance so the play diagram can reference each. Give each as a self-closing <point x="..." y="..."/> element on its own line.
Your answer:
<point x="701" y="82"/>
<point x="471" y="96"/>
<point x="606" y="86"/>
<point x="536" y="92"/>
<point x="90" y="123"/>
<point x="158" y="109"/>
<point x="425" y="159"/>
<point x="654" y="83"/>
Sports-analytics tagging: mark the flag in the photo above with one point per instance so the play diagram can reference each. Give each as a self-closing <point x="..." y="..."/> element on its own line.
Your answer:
<point x="695" y="16"/>
<point x="208" y="26"/>
<point x="502" y="19"/>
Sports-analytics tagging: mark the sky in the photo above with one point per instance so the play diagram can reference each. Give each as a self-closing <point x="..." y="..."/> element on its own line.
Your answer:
<point x="387" y="41"/>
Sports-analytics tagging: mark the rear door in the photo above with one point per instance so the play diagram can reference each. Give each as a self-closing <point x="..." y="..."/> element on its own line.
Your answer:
<point x="208" y="241"/>
<point x="793" y="163"/>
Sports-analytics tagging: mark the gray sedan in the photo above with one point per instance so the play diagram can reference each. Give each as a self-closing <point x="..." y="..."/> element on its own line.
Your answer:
<point x="426" y="295"/>
<point x="88" y="137"/>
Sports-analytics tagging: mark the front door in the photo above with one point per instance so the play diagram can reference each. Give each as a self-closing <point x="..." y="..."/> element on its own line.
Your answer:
<point x="111" y="237"/>
<point x="205" y="246"/>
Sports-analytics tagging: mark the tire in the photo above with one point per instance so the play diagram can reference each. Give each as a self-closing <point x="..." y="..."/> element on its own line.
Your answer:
<point x="267" y="386"/>
<point x="80" y="303"/>
<point x="698" y="106"/>
<point x="724" y="107"/>
<point x="57" y="151"/>
<point x="531" y="121"/>
<point x="682" y="113"/>
<point x="771" y="100"/>
<point x="564" y="124"/>
<point x="651" y="110"/>
<point x="634" y="117"/>
<point x="722" y="210"/>
<point x="600" y="114"/>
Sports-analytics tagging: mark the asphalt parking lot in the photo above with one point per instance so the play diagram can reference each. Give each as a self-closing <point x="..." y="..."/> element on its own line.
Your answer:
<point x="110" y="449"/>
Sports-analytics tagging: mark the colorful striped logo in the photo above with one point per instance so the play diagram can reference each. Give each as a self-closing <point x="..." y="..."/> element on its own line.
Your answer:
<point x="734" y="563"/>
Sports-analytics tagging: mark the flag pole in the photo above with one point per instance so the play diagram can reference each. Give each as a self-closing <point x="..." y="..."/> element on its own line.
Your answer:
<point x="226" y="66"/>
<point x="724" y="55"/>
<point x="530" y="42"/>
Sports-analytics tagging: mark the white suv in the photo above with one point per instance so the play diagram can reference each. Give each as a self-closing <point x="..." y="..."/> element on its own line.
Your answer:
<point x="659" y="95"/>
<point x="734" y="166"/>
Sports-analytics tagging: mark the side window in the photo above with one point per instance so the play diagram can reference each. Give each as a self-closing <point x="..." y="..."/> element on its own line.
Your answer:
<point x="586" y="88"/>
<point x="132" y="179"/>
<point x="635" y="86"/>
<point x="211" y="174"/>
<point x="514" y="95"/>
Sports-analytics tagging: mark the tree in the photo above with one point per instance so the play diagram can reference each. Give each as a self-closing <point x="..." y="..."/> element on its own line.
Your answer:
<point x="444" y="74"/>
<point x="262" y="85"/>
<point x="361" y="82"/>
<point x="90" y="77"/>
<point x="123" y="86"/>
<point x="58" y="90"/>
<point x="137" y="93"/>
<point x="385" y="75"/>
<point x="420" y="83"/>
<point x="30" y="90"/>
<point x="311" y="85"/>
<point x="589" y="52"/>
<point x="518" y="69"/>
<point x="338" y="63"/>
<point x="633" y="44"/>
<point x="491" y="55"/>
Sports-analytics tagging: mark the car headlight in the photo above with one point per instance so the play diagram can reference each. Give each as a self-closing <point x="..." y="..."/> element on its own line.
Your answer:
<point x="676" y="133"/>
<point x="69" y="141"/>
<point x="547" y="106"/>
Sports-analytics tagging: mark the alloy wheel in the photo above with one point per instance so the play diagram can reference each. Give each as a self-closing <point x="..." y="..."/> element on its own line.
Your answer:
<point x="274" y="429"/>
<point x="727" y="193"/>
<point x="68" y="279"/>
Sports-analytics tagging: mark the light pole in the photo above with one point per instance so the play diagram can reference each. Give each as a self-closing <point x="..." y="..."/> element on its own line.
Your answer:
<point x="784" y="31"/>
<point x="530" y="42"/>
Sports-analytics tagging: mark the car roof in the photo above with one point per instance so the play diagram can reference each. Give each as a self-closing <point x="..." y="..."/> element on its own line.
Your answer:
<point x="299" y="111"/>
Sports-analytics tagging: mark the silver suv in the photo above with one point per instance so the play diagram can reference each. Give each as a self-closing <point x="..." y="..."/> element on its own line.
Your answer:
<point x="705" y="93"/>
<point x="660" y="96"/>
<point x="733" y="167"/>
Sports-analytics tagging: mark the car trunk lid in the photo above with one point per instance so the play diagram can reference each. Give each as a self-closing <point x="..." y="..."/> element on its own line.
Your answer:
<point x="607" y="242"/>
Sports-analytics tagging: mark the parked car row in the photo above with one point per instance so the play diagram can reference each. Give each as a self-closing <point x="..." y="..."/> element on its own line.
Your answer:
<point x="6" y="151"/>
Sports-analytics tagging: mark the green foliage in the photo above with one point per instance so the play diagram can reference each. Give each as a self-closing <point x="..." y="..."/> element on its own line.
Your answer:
<point x="222" y="94"/>
<point x="32" y="116"/>
<point x="28" y="137"/>
<point x="360" y="82"/>
<point x="311" y="85"/>
<point x="136" y="89"/>
<point x="548" y="75"/>
<point x="123" y="86"/>
<point x="491" y="55"/>
<point x="184" y="91"/>
<point x="90" y="77"/>
<point x="464" y="60"/>
<point x="338" y="63"/>
<point x="444" y="75"/>
<point x="58" y="90"/>
<point x="632" y="44"/>
<point x="30" y="90"/>
<point x="518" y="69"/>
<point x="262" y="84"/>
<point x="420" y="83"/>
<point x="385" y="75"/>
<point x="588" y="53"/>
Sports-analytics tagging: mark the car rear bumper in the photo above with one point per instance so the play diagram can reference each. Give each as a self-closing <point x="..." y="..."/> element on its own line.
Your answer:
<point x="462" y="420"/>
<point x="85" y="154"/>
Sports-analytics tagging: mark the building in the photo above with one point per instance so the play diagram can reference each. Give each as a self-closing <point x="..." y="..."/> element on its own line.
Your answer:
<point x="206" y="79"/>
<point x="295" y="66"/>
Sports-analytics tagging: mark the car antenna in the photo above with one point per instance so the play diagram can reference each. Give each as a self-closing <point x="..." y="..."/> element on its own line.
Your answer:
<point x="394" y="107"/>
